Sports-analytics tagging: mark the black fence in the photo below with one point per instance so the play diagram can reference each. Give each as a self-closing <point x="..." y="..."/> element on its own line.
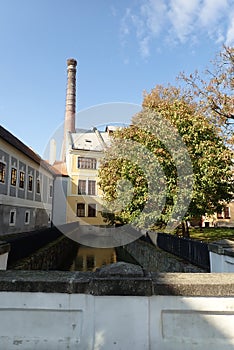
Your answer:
<point x="195" y="252"/>
<point x="25" y="244"/>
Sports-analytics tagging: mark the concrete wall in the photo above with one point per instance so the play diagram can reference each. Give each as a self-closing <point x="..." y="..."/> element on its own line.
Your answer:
<point x="4" y="251"/>
<point x="60" y="201"/>
<point x="221" y="263"/>
<point x="151" y="258"/>
<point x="116" y="310"/>
<point x="222" y="256"/>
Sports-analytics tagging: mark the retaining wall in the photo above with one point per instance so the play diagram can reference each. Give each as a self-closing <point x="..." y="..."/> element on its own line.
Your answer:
<point x="50" y="257"/>
<point x="152" y="258"/>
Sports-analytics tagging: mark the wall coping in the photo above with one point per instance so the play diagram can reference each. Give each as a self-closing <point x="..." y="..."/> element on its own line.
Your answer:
<point x="4" y="247"/>
<point x="222" y="247"/>
<point x="127" y="280"/>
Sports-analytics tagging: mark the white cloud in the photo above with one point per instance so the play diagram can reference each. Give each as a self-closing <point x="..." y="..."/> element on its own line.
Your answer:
<point x="212" y="11"/>
<point x="178" y="21"/>
<point x="182" y="15"/>
<point x="144" y="47"/>
<point x="230" y="31"/>
<point x="155" y="13"/>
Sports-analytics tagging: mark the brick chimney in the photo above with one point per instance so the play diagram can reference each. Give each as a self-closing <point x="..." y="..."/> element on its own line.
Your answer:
<point x="70" y="111"/>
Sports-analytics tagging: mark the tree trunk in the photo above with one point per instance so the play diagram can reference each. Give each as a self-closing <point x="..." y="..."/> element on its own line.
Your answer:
<point x="185" y="229"/>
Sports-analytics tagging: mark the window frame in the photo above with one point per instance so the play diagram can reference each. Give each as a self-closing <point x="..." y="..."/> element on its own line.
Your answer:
<point x="30" y="188"/>
<point x="82" y="187"/>
<point x="80" y="210"/>
<point x="227" y="212"/>
<point x="86" y="163"/>
<point x="27" y="214"/>
<point x="92" y="209"/>
<point x="92" y="188"/>
<point x="13" y="176"/>
<point x="2" y="172"/>
<point x="51" y="190"/>
<point x="21" y="180"/>
<point x="12" y="223"/>
<point x="38" y="185"/>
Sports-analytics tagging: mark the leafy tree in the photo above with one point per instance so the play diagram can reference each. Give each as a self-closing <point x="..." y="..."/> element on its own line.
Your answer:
<point x="213" y="91"/>
<point x="147" y="160"/>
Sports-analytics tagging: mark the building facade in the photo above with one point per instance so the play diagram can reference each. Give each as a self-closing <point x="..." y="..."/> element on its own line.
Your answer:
<point x="224" y="218"/>
<point x="26" y="187"/>
<point x="84" y="197"/>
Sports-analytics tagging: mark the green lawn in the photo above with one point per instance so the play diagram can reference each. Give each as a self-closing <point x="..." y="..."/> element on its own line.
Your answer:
<point x="210" y="234"/>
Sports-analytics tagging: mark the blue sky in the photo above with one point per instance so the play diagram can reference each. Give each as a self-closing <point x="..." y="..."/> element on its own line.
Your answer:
<point x="122" y="47"/>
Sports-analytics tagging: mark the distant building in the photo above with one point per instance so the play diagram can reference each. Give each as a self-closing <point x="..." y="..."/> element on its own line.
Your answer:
<point x="84" y="198"/>
<point x="224" y="218"/>
<point x="26" y="187"/>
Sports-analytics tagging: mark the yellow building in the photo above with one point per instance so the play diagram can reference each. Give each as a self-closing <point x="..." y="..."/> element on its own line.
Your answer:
<point x="85" y="150"/>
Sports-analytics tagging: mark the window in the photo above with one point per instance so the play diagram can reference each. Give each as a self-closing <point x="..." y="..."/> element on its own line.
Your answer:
<point x="51" y="191"/>
<point x="21" y="179"/>
<point x="87" y="163"/>
<point x="220" y="215"/>
<point x="2" y="172"/>
<point x="82" y="187"/>
<point x="12" y="217"/>
<point x="90" y="262"/>
<point x="92" y="188"/>
<point x="38" y="186"/>
<point x="80" y="209"/>
<point x="91" y="210"/>
<point x="227" y="213"/>
<point x="27" y="217"/>
<point x="30" y="183"/>
<point x="13" y="176"/>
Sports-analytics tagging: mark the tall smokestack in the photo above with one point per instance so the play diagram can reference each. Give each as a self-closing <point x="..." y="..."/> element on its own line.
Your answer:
<point x="70" y="112"/>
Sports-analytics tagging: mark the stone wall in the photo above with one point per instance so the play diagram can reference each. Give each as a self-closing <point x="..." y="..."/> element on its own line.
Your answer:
<point x="152" y="258"/>
<point x="50" y="257"/>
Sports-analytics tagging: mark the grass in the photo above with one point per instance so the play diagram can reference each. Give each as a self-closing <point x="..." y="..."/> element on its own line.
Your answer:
<point x="210" y="234"/>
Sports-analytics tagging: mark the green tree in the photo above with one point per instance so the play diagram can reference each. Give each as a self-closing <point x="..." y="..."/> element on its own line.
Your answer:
<point x="145" y="162"/>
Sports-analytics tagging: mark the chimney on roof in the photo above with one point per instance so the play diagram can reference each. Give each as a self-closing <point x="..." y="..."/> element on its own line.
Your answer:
<point x="70" y="111"/>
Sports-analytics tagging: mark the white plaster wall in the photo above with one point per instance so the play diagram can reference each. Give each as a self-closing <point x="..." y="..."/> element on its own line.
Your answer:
<point x="3" y="261"/>
<point x="221" y="263"/>
<point x="47" y="321"/>
<point x="59" y="216"/>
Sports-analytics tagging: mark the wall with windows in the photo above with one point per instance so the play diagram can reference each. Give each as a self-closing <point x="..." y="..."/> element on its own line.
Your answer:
<point x="26" y="190"/>
<point x="84" y="200"/>
<point x="224" y="218"/>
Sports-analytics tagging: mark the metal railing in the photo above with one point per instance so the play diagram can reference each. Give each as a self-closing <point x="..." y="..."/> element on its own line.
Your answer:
<point x="196" y="252"/>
